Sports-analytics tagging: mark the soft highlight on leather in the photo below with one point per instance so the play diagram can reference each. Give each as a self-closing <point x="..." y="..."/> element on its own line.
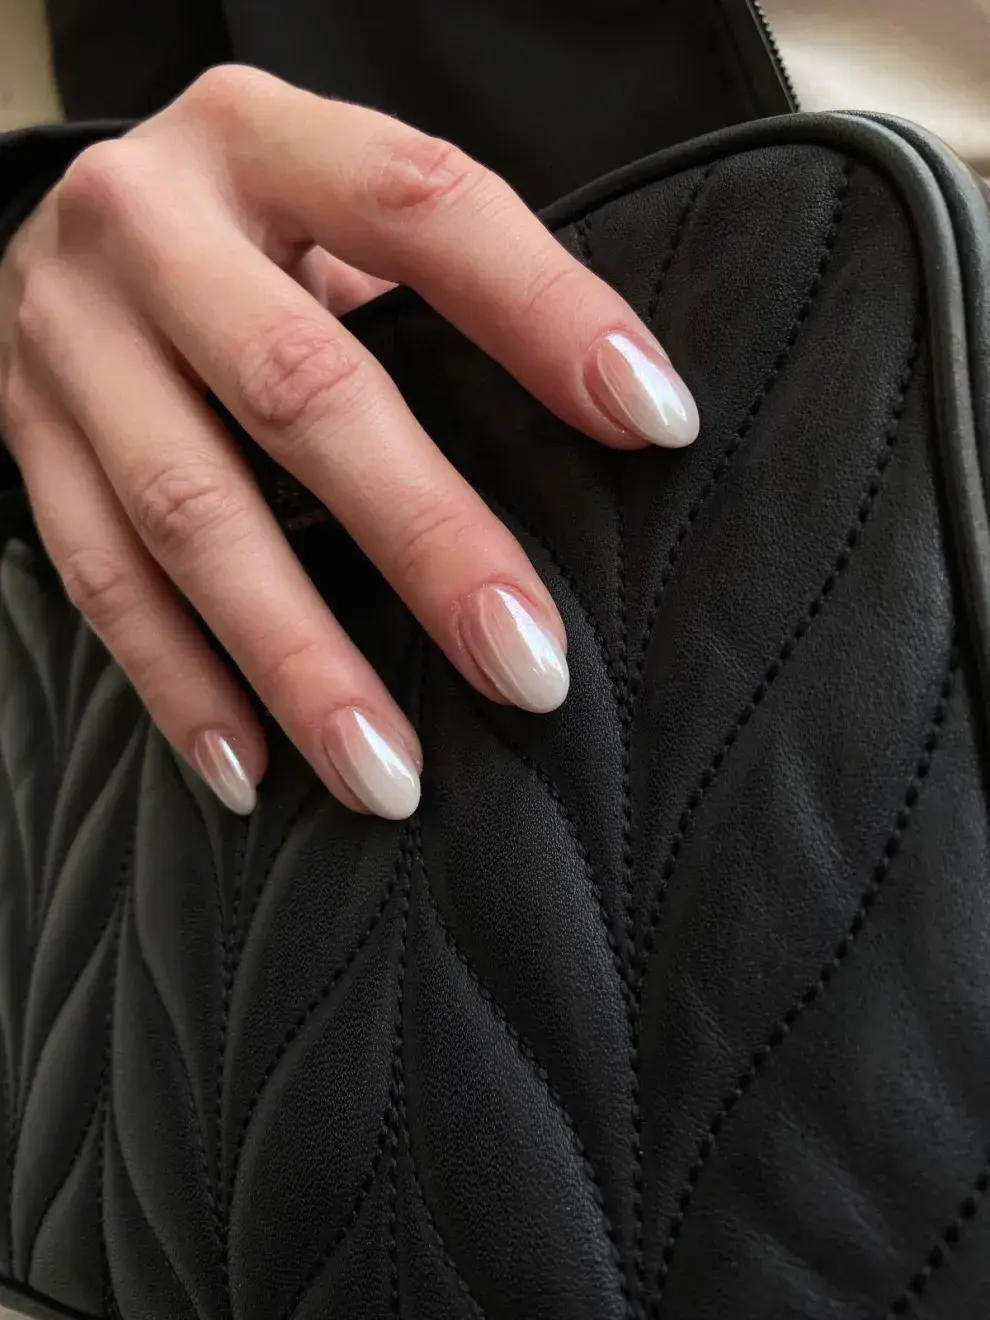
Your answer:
<point x="673" y="1003"/>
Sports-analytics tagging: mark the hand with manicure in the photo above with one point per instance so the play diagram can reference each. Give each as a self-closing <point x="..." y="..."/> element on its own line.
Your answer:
<point x="213" y="248"/>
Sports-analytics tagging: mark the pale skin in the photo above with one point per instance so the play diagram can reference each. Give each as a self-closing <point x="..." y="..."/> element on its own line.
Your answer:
<point x="214" y="248"/>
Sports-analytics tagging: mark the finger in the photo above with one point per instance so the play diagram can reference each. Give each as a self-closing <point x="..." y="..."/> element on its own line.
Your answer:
<point x="326" y="410"/>
<point x="130" y="605"/>
<point x="335" y="285"/>
<point x="188" y="492"/>
<point x="409" y="208"/>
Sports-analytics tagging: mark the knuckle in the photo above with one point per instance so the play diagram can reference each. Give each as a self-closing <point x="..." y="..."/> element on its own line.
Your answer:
<point x="177" y="506"/>
<point x="280" y="675"/>
<point x="554" y="280"/>
<point x="430" y="536"/>
<point x="294" y="373"/>
<point x="15" y="397"/>
<point x="99" y="586"/>
<point x="101" y="182"/>
<point x="39" y="307"/>
<point x="418" y="172"/>
<point x="222" y="91"/>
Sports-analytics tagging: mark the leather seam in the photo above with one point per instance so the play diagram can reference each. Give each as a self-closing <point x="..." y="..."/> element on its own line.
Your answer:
<point x="787" y="649"/>
<point x="94" y="1111"/>
<point x="8" y="1147"/>
<point x="526" y="1052"/>
<point x="211" y="1184"/>
<point x="349" y="1221"/>
<point x="50" y="712"/>
<point x="396" y="1098"/>
<point x="22" y="842"/>
<point x="302" y="1020"/>
<point x="188" y="1092"/>
<point x="241" y="940"/>
<point x="570" y="824"/>
<point x="110" y="1306"/>
<point x="228" y="967"/>
<point x="941" y="1250"/>
<point x="438" y="1240"/>
<point x="29" y="1082"/>
<point x="153" y="1232"/>
<point x="679" y="230"/>
<point x="761" y="1057"/>
<point x="624" y="712"/>
<point x="779" y="364"/>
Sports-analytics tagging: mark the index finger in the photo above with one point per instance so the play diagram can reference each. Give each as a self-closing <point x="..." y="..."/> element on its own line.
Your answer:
<point x="413" y="209"/>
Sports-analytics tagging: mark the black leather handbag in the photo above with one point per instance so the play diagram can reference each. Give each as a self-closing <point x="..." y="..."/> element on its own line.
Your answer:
<point x="673" y="1004"/>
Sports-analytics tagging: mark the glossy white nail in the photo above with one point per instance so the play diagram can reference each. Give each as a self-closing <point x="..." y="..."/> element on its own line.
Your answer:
<point x="219" y="765"/>
<point x="521" y="657"/>
<point x="639" y="389"/>
<point x="374" y="767"/>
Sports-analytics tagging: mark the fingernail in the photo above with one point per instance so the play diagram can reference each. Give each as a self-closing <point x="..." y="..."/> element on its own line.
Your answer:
<point x="374" y="767"/>
<point x="523" y="660"/>
<point x="220" y="766"/>
<point x="637" y="386"/>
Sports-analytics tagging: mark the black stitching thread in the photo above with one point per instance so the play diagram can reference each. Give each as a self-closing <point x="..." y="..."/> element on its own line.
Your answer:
<point x="569" y="822"/>
<point x="228" y="972"/>
<point x="528" y="1055"/>
<point x="152" y="1230"/>
<point x="624" y="712"/>
<point x="242" y="936"/>
<point x="942" y="1249"/>
<point x="675" y="242"/>
<point x="351" y="1218"/>
<point x="787" y="649"/>
<point x="462" y="1286"/>
<point x="109" y="1296"/>
<point x="110" y="1306"/>
<point x="211" y="1177"/>
<point x="8" y="1148"/>
<point x="722" y="466"/>
<point x="189" y="1096"/>
<point x="299" y="1024"/>
<point x="814" y="992"/>
<point x="397" y="1106"/>
<point x="582" y="234"/>
<point x="29" y="1083"/>
<point x="95" y="1111"/>
<point x="29" y="1080"/>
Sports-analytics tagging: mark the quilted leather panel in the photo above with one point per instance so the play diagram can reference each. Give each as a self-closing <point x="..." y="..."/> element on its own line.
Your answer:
<point x="674" y="1002"/>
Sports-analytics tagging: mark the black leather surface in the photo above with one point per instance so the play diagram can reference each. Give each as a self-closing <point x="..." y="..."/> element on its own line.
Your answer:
<point x="674" y="1003"/>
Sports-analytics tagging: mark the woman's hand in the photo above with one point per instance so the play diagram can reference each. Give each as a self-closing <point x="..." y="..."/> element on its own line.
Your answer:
<point x="210" y="248"/>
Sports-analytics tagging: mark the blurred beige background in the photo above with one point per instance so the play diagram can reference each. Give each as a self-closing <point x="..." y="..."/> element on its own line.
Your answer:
<point x="27" y="90"/>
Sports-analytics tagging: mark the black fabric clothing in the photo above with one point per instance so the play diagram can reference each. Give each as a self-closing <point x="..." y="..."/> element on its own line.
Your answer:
<point x="550" y="93"/>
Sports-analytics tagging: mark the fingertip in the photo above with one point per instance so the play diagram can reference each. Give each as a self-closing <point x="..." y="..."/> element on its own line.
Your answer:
<point x="632" y="381"/>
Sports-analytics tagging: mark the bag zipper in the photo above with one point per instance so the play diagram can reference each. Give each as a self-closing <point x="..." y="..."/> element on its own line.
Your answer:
<point x="773" y="50"/>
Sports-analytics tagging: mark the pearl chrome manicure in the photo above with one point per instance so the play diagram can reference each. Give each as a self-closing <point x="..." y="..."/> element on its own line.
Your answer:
<point x="219" y="765"/>
<point x="639" y="388"/>
<point x="521" y="657"/>
<point x="375" y="767"/>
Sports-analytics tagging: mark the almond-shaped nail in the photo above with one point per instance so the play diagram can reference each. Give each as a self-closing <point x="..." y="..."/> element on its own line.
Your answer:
<point x="221" y="767"/>
<point x="373" y="764"/>
<point x="521" y="657"/>
<point x="636" y="385"/>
